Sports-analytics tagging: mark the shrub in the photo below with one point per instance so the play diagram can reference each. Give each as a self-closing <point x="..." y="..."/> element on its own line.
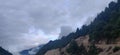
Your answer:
<point x="116" y="49"/>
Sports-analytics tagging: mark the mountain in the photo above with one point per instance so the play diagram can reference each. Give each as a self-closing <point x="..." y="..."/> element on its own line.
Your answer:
<point x="31" y="51"/>
<point x="103" y="32"/>
<point x="4" y="52"/>
<point x="82" y="46"/>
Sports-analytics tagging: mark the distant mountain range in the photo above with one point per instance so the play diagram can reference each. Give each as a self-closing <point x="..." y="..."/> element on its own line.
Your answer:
<point x="31" y="51"/>
<point x="4" y="52"/>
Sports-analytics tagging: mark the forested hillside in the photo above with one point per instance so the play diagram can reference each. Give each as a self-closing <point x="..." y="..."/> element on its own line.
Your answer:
<point x="4" y="52"/>
<point x="106" y="26"/>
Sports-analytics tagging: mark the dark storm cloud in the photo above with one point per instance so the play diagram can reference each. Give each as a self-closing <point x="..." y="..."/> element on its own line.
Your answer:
<point x="24" y="22"/>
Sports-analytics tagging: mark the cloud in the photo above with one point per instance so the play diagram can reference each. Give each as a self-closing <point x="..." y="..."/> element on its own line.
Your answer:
<point x="65" y="30"/>
<point x="28" y="23"/>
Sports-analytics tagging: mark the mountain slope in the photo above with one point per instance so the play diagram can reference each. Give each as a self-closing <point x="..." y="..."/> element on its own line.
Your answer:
<point x="106" y="25"/>
<point x="104" y="29"/>
<point x="4" y="52"/>
<point x="82" y="46"/>
<point x="31" y="51"/>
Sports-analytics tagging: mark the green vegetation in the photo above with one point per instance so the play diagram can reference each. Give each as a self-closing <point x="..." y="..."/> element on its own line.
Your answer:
<point x="74" y="49"/>
<point x="93" y="50"/>
<point x="106" y="26"/>
<point x="115" y="49"/>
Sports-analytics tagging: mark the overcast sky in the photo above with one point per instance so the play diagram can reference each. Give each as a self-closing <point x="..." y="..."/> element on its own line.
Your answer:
<point x="28" y="23"/>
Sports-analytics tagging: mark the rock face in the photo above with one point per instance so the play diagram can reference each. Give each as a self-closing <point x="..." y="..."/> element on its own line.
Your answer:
<point x="4" y="52"/>
<point x="107" y="49"/>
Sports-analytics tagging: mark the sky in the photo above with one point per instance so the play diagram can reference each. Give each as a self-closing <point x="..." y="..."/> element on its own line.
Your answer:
<point x="28" y="23"/>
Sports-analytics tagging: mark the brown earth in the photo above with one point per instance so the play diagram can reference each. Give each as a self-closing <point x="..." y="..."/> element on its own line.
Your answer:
<point x="107" y="49"/>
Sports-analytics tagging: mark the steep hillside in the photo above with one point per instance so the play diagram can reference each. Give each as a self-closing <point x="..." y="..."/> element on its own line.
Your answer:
<point x="63" y="51"/>
<point x="4" y="52"/>
<point x="106" y="25"/>
<point x="105" y="29"/>
<point x="82" y="45"/>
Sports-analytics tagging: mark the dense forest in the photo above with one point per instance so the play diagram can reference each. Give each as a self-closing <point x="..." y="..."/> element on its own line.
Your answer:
<point x="106" y="26"/>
